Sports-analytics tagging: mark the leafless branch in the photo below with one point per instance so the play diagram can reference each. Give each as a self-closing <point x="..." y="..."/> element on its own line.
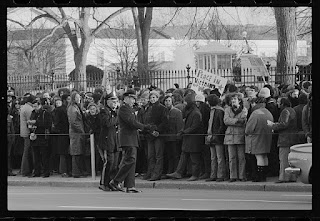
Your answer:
<point x="95" y="31"/>
<point x="203" y="22"/>
<point x="14" y="21"/>
<point x="193" y="21"/>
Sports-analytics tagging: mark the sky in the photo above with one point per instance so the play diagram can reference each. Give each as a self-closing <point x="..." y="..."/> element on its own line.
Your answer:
<point x="161" y="16"/>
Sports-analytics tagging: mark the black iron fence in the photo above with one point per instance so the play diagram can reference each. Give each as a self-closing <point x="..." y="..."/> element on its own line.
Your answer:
<point x="163" y="79"/>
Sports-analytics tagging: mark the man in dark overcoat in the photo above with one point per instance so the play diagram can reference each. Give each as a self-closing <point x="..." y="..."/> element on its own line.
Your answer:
<point x="108" y="143"/>
<point x="191" y="144"/>
<point x="128" y="137"/>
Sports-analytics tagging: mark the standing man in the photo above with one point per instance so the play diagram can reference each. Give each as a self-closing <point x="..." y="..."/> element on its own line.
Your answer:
<point x="108" y="143"/>
<point x="25" y="114"/>
<point x="128" y="142"/>
<point x="175" y="124"/>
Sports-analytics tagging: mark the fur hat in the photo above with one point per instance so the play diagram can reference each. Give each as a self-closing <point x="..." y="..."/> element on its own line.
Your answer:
<point x="200" y="97"/>
<point x="189" y="98"/>
<point x="264" y="92"/>
<point x="154" y="92"/>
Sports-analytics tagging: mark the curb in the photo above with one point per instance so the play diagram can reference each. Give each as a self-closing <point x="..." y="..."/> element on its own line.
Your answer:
<point x="165" y="184"/>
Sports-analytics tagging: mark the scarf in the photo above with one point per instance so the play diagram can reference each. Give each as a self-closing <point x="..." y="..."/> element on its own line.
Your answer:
<point x="237" y="111"/>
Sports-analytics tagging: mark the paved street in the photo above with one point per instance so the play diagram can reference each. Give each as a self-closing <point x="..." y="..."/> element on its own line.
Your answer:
<point x="67" y="198"/>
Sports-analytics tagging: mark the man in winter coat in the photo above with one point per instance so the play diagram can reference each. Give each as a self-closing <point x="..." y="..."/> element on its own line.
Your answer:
<point x="175" y="124"/>
<point x="235" y="118"/>
<point x="190" y="143"/>
<point x="108" y="140"/>
<point x="259" y="136"/>
<point x="42" y="121"/>
<point x="76" y="121"/>
<point x="205" y="150"/>
<point x="128" y="141"/>
<point x="307" y="119"/>
<point x="25" y="113"/>
<point x="303" y="100"/>
<point x="156" y="116"/>
<point x="10" y="140"/>
<point x="287" y="129"/>
<point x="216" y="130"/>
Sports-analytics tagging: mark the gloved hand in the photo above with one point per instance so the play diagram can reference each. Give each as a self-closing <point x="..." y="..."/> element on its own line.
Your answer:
<point x="180" y="133"/>
<point x="241" y="121"/>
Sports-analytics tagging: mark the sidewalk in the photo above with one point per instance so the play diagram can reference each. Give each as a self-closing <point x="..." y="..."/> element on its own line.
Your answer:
<point x="57" y="181"/>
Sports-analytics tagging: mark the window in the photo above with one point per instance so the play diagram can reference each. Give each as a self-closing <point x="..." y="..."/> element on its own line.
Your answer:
<point x="213" y="61"/>
<point x="52" y="61"/>
<point x="200" y="61"/>
<point x="224" y="61"/>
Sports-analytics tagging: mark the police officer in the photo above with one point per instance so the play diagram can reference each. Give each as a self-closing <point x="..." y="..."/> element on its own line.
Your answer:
<point x="129" y="143"/>
<point x="108" y="142"/>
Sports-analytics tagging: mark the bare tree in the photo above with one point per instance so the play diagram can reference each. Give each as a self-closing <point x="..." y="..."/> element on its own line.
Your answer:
<point x="142" y="17"/>
<point x="81" y="31"/>
<point x="287" y="41"/>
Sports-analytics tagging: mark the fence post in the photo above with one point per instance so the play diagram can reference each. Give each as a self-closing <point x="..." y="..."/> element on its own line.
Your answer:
<point x="93" y="163"/>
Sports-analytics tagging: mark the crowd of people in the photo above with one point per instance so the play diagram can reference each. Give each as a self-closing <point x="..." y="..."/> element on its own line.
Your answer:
<point x="241" y="135"/>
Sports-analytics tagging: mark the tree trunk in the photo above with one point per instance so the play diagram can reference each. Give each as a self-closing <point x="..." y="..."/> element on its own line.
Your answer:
<point x="287" y="43"/>
<point x="142" y="20"/>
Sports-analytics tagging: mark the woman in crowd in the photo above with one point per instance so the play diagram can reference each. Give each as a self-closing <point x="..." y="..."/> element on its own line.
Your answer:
<point x="76" y="133"/>
<point x="235" y="119"/>
<point x="259" y="136"/>
<point x="18" y="141"/>
<point x="61" y="126"/>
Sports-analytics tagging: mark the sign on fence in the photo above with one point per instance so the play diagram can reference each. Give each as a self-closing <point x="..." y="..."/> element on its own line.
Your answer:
<point x="204" y="79"/>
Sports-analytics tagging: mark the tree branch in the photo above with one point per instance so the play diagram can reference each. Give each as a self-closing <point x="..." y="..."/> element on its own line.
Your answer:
<point x="22" y="25"/>
<point x="52" y="14"/>
<point x="194" y="18"/>
<point x="95" y="31"/>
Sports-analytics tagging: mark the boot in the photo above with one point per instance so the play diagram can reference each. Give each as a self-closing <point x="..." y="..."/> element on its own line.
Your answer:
<point x="259" y="175"/>
<point x="264" y="173"/>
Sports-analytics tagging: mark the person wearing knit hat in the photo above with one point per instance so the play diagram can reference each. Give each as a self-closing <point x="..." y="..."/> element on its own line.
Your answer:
<point x="200" y="98"/>
<point x="264" y="92"/>
<point x="154" y="92"/>
<point x="205" y="151"/>
<point x="191" y="144"/>
<point x="303" y="100"/>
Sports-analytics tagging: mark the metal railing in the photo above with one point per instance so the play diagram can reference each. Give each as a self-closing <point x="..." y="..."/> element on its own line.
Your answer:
<point x="163" y="79"/>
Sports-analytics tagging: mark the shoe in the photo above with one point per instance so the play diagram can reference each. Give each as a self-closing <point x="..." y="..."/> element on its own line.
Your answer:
<point x="11" y="174"/>
<point x="242" y="180"/>
<point x="27" y="175"/>
<point x="79" y="176"/>
<point x="133" y="190"/>
<point x="291" y="181"/>
<point x="153" y="179"/>
<point x="174" y="175"/>
<point x="204" y="176"/>
<point x="145" y="177"/>
<point x="220" y="180"/>
<point x="193" y="178"/>
<point x="34" y="175"/>
<point x="115" y="187"/>
<point x="232" y="180"/>
<point x="164" y="176"/>
<point x="66" y="175"/>
<point x="210" y="179"/>
<point x="280" y="181"/>
<point x="104" y="188"/>
<point x="45" y="175"/>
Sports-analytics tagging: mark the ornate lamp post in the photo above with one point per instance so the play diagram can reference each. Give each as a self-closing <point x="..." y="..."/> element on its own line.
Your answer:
<point x="244" y="36"/>
<point x="52" y="79"/>
<point x="268" y="66"/>
<point x="188" y="72"/>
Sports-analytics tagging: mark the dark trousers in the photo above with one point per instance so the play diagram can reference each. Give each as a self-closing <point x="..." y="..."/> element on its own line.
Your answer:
<point x="110" y="168"/>
<point x="142" y="156"/>
<point x="251" y="166"/>
<point x="127" y="167"/>
<point x="77" y="165"/>
<point x="26" y="163"/>
<point x="205" y="160"/>
<point x="155" y="158"/>
<point x="172" y="155"/>
<point x="10" y="141"/>
<point x="65" y="164"/>
<point x="41" y="156"/>
<point x="273" y="158"/>
<point x="195" y="163"/>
